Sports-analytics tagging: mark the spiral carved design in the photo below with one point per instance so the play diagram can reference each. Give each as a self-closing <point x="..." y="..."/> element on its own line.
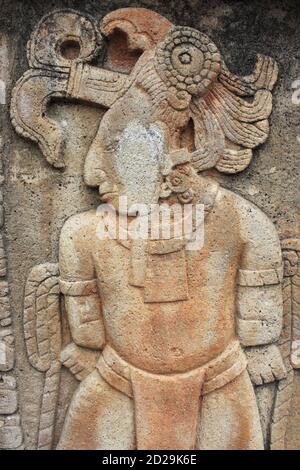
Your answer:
<point x="188" y="61"/>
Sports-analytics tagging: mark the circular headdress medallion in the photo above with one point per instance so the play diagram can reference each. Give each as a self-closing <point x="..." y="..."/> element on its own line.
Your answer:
<point x="188" y="60"/>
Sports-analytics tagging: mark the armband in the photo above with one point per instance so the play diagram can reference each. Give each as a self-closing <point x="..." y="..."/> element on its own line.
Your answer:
<point x="265" y="277"/>
<point x="78" y="288"/>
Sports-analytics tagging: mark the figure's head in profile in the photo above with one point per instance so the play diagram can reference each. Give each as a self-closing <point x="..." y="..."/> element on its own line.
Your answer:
<point x="169" y="101"/>
<point x="182" y="113"/>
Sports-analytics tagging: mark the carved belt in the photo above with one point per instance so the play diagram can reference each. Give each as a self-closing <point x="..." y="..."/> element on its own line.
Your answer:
<point x="167" y="407"/>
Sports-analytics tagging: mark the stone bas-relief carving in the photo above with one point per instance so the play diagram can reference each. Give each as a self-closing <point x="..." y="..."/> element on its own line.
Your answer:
<point x="169" y="344"/>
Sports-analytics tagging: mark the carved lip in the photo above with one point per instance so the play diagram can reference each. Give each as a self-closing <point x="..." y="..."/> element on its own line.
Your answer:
<point x="106" y="187"/>
<point x="108" y="195"/>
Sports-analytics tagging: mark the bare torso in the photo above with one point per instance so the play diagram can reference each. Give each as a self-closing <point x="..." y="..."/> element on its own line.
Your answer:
<point x="172" y="336"/>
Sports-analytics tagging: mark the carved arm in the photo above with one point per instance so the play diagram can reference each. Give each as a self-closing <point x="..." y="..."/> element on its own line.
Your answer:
<point x="83" y="308"/>
<point x="259" y="297"/>
<point x="78" y="281"/>
<point x="259" y="326"/>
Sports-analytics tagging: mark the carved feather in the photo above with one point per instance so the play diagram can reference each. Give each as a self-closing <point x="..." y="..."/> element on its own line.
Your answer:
<point x="42" y="330"/>
<point x="234" y="161"/>
<point x="290" y="333"/>
<point x="246" y="134"/>
<point x="241" y="107"/>
<point x="264" y="77"/>
<point x="238" y="108"/>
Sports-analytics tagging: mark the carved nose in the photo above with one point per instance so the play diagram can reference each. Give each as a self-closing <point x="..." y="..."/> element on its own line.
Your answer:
<point x="94" y="176"/>
<point x="100" y="175"/>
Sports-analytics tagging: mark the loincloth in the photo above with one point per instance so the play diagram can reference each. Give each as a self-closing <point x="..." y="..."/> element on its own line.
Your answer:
<point x="167" y="406"/>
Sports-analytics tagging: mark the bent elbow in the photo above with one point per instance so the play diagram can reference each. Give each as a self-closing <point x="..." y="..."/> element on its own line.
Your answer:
<point x="88" y="337"/>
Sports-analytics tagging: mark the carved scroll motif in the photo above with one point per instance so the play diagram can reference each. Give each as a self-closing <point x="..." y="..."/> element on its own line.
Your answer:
<point x="61" y="38"/>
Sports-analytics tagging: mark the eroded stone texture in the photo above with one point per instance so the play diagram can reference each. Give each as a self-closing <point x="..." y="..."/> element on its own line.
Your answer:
<point x="211" y="333"/>
<point x="10" y="428"/>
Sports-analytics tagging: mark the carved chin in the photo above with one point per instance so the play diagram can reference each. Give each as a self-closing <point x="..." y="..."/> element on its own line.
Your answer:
<point x="110" y="198"/>
<point x="128" y="203"/>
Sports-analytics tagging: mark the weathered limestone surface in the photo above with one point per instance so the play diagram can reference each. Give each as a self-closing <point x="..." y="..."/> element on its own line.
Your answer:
<point x="211" y="318"/>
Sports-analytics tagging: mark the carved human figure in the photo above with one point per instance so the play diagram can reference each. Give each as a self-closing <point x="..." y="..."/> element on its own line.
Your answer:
<point x="169" y="340"/>
<point x="163" y="337"/>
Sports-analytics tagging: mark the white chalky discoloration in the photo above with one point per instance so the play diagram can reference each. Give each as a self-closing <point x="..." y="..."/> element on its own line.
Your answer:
<point x="138" y="161"/>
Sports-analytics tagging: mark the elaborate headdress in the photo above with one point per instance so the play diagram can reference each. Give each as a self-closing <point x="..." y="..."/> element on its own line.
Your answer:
<point x="228" y="125"/>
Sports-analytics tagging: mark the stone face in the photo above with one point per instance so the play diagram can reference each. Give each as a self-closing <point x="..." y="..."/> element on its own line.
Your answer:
<point x="132" y="336"/>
